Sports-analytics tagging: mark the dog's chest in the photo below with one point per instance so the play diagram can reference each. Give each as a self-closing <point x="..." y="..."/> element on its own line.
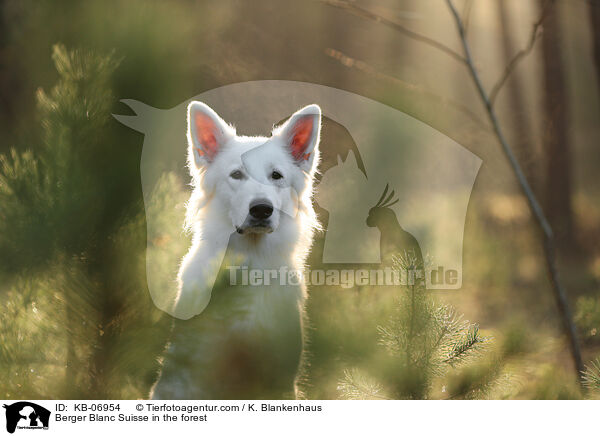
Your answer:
<point x="248" y="337"/>
<point x="265" y="317"/>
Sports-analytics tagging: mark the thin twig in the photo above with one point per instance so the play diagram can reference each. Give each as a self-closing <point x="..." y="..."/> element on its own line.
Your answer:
<point x="364" y="13"/>
<point x="521" y="54"/>
<point x="467" y="14"/>
<point x="549" y="248"/>
<point x="364" y="67"/>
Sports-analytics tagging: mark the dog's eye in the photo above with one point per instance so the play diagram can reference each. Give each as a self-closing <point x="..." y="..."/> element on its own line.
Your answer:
<point x="276" y="175"/>
<point x="237" y="175"/>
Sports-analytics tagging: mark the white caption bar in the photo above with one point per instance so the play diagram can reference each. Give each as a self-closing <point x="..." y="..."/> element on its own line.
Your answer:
<point x="299" y="417"/>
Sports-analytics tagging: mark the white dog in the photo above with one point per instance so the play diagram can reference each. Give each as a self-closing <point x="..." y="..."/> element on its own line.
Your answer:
<point x="250" y="210"/>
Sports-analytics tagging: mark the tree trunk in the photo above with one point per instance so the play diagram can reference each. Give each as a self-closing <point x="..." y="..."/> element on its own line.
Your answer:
<point x="556" y="147"/>
<point x="519" y="122"/>
<point x="595" y="28"/>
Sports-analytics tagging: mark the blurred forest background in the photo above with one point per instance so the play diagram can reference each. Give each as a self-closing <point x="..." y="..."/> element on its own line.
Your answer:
<point x="77" y="320"/>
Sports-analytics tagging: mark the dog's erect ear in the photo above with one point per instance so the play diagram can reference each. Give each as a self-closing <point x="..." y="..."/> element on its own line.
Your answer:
<point x="301" y="134"/>
<point x="207" y="133"/>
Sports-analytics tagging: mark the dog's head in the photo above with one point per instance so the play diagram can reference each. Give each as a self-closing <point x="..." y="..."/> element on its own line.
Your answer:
<point x="251" y="181"/>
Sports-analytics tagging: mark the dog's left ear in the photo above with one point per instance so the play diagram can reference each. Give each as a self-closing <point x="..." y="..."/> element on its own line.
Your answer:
<point x="301" y="134"/>
<point x="207" y="134"/>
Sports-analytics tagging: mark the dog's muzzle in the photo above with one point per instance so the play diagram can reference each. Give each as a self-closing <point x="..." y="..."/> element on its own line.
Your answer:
<point x="258" y="219"/>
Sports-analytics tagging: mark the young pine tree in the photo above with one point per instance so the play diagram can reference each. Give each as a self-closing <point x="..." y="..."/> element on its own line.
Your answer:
<point x="423" y="340"/>
<point x="72" y="248"/>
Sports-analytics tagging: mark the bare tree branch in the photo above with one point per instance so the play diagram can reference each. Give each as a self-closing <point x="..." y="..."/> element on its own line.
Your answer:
<point x="364" y="67"/>
<point x="521" y="54"/>
<point x="364" y="13"/>
<point x="467" y="14"/>
<point x="549" y="244"/>
<point x="549" y="248"/>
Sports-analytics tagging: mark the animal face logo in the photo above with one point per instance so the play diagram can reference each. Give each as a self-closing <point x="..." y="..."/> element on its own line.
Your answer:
<point x="429" y="178"/>
<point x="26" y="415"/>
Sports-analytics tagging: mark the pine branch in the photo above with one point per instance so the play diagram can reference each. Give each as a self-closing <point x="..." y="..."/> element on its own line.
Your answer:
<point x="356" y="386"/>
<point x="449" y="324"/>
<point x="465" y="346"/>
<point x="591" y="376"/>
<point x="474" y="382"/>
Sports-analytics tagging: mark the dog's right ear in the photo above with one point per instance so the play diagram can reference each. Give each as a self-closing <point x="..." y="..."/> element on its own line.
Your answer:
<point x="207" y="133"/>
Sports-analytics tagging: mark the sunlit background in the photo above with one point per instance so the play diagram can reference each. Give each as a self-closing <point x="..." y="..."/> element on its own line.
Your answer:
<point x="77" y="320"/>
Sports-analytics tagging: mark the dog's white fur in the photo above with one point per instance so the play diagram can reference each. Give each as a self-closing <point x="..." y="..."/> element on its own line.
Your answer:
<point x="242" y="341"/>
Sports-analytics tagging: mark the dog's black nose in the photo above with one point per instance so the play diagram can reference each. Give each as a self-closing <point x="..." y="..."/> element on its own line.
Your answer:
<point x="261" y="209"/>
